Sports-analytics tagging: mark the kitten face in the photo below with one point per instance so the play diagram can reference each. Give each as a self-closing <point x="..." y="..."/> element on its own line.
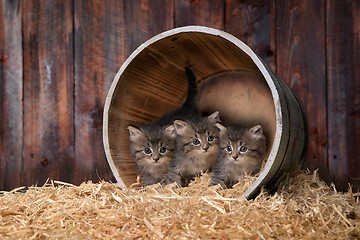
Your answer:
<point x="243" y="147"/>
<point x="198" y="137"/>
<point x="152" y="148"/>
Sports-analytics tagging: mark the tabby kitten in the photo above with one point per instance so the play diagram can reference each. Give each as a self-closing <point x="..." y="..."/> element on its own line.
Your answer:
<point x="242" y="150"/>
<point x="197" y="146"/>
<point x="152" y="145"/>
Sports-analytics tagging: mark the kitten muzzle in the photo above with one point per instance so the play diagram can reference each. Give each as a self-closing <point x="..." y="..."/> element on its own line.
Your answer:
<point x="205" y="147"/>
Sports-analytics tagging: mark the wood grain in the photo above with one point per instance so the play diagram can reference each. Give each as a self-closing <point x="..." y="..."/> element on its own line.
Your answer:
<point x="253" y="22"/>
<point x="48" y="91"/>
<point x="343" y="42"/>
<point x="145" y="19"/>
<point x="11" y="92"/>
<point x="195" y="12"/>
<point x="300" y="55"/>
<point x="99" y="53"/>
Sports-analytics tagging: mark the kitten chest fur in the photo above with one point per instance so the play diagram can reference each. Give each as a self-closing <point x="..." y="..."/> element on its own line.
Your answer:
<point x="195" y="163"/>
<point x="232" y="171"/>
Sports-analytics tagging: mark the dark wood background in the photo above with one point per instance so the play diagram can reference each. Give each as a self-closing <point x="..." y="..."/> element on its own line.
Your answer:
<point x="58" y="59"/>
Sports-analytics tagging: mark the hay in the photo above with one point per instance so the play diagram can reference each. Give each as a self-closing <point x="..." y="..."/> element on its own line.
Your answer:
<point x="304" y="208"/>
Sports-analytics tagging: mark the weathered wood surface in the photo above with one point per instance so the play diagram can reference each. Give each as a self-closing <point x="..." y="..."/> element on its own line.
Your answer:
<point x="11" y="81"/>
<point x="253" y="24"/>
<point x="301" y="63"/>
<point x="48" y="91"/>
<point x="205" y="13"/>
<point x="58" y="58"/>
<point x="99" y="51"/>
<point x="343" y="102"/>
<point x="144" y="19"/>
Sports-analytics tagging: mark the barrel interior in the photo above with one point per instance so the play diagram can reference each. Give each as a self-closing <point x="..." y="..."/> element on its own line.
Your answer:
<point x="154" y="82"/>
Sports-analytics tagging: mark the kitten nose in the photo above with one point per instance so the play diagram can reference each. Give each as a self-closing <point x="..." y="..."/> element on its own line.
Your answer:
<point x="205" y="147"/>
<point x="156" y="158"/>
<point x="235" y="156"/>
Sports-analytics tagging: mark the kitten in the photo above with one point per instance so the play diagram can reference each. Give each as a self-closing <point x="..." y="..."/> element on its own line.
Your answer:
<point x="197" y="146"/>
<point x="242" y="150"/>
<point x="152" y="145"/>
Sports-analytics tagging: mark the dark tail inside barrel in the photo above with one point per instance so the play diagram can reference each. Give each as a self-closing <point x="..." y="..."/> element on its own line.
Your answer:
<point x="192" y="89"/>
<point x="189" y="108"/>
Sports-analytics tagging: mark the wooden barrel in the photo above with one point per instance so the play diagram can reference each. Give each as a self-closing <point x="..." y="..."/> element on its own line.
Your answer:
<point x="231" y="79"/>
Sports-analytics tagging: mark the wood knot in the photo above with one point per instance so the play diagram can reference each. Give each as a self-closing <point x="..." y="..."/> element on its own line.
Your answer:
<point x="44" y="161"/>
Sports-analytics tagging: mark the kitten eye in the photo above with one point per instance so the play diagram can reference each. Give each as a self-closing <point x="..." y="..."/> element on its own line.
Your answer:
<point x="196" y="141"/>
<point x="243" y="149"/>
<point x="147" y="150"/>
<point x="229" y="148"/>
<point x="162" y="150"/>
<point x="210" y="138"/>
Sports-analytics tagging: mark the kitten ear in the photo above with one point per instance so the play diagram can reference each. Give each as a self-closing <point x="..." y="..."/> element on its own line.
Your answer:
<point x="256" y="131"/>
<point x="214" y="117"/>
<point x="170" y="131"/>
<point x="180" y="126"/>
<point x="221" y="128"/>
<point x="134" y="132"/>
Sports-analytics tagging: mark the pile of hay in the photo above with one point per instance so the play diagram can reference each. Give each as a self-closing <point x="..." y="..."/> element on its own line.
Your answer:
<point x="303" y="208"/>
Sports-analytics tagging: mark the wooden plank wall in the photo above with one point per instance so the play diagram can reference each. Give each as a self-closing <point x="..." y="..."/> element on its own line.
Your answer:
<point x="48" y="123"/>
<point x="302" y="64"/>
<point x="99" y="48"/>
<point x="11" y="94"/>
<point x="343" y="90"/>
<point x="58" y="59"/>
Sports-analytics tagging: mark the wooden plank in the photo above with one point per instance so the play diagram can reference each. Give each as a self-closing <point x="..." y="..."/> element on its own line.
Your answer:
<point x="253" y="22"/>
<point x="205" y="13"/>
<point x="343" y="42"/>
<point x="99" y="53"/>
<point x="300" y="56"/>
<point x="144" y="19"/>
<point x="11" y="68"/>
<point x="48" y="91"/>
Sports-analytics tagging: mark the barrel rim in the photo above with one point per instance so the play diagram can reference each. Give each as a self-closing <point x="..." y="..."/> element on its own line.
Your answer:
<point x="216" y="32"/>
